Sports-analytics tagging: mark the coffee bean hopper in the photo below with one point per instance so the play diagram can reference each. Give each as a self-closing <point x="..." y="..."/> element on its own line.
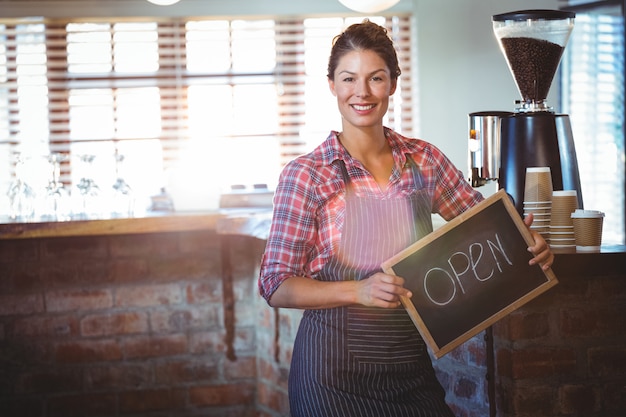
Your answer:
<point x="533" y="135"/>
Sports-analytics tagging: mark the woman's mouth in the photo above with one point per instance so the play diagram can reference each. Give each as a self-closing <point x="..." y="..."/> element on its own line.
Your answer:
<point x="363" y="107"/>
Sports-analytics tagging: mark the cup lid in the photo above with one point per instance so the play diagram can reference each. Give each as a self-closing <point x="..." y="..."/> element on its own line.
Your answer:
<point x="538" y="169"/>
<point x="581" y="214"/>
<point x="564" y="193"/>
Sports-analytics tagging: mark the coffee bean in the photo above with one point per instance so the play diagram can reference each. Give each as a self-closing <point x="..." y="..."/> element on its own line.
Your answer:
<point x="533" y="63"/>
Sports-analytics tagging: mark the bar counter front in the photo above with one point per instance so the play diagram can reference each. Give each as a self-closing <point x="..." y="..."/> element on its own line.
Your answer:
<point x="160" y="315"/>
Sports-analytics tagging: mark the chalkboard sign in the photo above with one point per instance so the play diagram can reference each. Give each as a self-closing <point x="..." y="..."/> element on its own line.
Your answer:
<point x="469" y="273"/>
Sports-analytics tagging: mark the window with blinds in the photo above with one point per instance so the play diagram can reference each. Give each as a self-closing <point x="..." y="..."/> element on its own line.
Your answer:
<point x="186" y="104"/>
<point x="593" y="95"/>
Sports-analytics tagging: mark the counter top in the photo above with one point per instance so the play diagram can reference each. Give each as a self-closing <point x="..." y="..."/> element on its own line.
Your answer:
<point x="610" y="260"/>
<point x="249" y="221"/>
<point x="255" y="222"/>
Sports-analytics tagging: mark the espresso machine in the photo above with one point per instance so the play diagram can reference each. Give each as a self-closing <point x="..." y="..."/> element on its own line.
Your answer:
<point x="504" y="144"/>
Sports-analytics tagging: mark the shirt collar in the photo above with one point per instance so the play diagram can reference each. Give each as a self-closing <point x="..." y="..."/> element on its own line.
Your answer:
<point x="331" y="149"/>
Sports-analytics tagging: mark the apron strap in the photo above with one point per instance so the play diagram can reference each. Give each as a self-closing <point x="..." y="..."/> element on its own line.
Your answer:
<point x="346" y="178"/>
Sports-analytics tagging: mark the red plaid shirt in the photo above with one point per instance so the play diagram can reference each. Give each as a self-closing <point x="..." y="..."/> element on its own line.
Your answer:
<point x="309" y="202"/>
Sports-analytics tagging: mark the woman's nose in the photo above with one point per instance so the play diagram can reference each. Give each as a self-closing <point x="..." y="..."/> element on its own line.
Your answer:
<point x="363" y="89"/>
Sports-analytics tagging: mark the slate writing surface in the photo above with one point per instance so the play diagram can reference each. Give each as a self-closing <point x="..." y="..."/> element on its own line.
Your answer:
<point x="470" y="274"/>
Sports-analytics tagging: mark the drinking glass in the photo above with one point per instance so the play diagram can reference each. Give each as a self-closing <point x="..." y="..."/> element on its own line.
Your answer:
<point x="88" y="190"/>
<point x="123" y="198"/>
<point x="21" y="194"/>
<point x="56" y="198"/>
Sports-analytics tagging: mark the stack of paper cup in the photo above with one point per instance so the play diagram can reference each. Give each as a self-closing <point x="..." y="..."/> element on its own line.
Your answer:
<point x="538" y="198"/>
<point x="588" y="229"/>
<point x="564" y="203"/>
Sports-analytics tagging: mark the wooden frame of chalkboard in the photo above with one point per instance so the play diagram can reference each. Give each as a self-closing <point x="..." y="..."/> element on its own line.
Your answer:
<point x="469" y="273"/>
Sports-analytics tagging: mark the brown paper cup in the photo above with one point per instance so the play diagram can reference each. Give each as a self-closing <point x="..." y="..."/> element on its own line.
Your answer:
<point x="588" y="229"/>
<point x="564" y="203"/>
<point x="538" y="184"/>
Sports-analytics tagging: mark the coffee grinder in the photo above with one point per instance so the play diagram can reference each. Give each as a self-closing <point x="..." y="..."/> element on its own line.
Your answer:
<point x="533" y="135"/>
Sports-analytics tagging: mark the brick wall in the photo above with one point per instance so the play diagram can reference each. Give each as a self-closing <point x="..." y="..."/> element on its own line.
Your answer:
<point x="564" y="353"/>
<point x="462" y="372"/>
<point x="125" y="326"/>
<point x="276" y="334"/>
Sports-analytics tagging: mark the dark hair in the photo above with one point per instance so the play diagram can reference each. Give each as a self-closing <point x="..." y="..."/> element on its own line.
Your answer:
<point x="365" y="36"/>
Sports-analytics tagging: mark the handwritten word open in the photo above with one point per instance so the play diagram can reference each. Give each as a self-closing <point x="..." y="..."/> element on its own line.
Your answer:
<point x="476" y="259"/>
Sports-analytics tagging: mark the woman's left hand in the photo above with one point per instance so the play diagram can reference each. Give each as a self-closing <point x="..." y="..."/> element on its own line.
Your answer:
<point x="541" y="250"/>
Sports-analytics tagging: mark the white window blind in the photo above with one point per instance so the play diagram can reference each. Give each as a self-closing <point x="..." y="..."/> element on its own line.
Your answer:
<point x="593" y="96"/>
<point x="205" y="103"/>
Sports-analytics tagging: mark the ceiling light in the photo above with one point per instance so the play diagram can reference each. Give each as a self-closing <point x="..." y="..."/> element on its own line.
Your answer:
<point x="164" y="2"/>
<point x="368" y="6"/>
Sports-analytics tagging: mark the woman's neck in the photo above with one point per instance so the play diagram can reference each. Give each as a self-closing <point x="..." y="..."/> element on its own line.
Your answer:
<point x="365" y="144"/>
<point x="372" y="150"/>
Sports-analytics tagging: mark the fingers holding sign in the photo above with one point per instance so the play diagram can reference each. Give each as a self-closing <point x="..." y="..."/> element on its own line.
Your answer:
<point x="382" y="290"/>
<point x="541" y="249"/>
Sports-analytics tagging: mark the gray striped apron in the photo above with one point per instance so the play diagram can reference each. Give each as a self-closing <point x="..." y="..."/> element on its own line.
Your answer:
<point x="362" y="361"/>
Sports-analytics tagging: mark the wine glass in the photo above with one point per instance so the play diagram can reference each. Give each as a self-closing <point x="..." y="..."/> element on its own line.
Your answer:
<point x="56" y="198"/>
<point x="21" y="194"/>
<point x="123" y="198"/>
<point x="88" y="190"/>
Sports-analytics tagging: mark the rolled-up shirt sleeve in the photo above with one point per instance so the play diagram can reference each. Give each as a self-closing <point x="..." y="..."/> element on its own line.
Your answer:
<point x="292" y="231"/>
<point x="452" y="193"/>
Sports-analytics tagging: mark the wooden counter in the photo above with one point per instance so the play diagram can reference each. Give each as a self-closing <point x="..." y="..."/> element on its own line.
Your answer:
<point x="610" y="260"/>
<point x="254" y="222"/>
<point x="249" y="222"/>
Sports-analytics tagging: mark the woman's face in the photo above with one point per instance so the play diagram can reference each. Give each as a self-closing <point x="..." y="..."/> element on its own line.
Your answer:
<point x="362" y="84"/>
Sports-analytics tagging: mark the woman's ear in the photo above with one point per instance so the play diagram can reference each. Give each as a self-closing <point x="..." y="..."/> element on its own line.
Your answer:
<point x="331" y="86"/>
<point x="394" y="84"/>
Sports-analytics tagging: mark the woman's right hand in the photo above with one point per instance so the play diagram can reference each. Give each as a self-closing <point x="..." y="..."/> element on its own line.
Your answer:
<point x="378" y="290"/>
<point x="381" y="290"/>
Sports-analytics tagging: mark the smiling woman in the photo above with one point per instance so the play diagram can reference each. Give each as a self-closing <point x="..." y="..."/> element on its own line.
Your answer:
<point x="226" y="99"/>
